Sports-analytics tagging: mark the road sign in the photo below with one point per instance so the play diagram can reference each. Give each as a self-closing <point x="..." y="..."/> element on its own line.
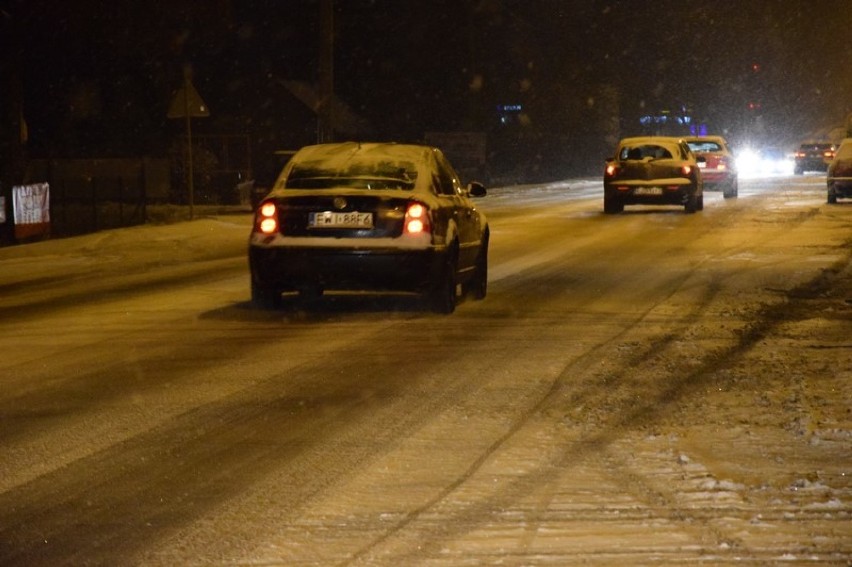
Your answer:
<point x="187" y="102"/>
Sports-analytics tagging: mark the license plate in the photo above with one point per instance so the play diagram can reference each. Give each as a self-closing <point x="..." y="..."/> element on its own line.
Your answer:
<point x="330" y="219"/>
<point x="648" y="191"/>
<point x="702" y="165"/>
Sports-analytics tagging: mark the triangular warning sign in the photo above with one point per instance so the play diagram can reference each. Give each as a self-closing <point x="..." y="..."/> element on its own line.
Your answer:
<point x="187" y="102"/>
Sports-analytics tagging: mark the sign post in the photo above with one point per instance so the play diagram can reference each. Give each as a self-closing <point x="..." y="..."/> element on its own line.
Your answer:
<point x="187" y="104"/>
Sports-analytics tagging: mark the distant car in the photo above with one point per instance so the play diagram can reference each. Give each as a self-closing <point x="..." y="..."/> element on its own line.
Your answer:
<point x="839" y="177"/>
<point x="372" y="217"/>
<point x="813" y="156"/>
<point x="719" y="171"/>
<point x="653" y="170"/>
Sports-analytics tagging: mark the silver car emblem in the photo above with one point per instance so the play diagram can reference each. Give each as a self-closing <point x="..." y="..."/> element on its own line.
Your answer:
<point x="339" y="203"/>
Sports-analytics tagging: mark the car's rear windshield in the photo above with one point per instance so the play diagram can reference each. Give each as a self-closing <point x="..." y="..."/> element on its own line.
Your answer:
<point x="355" y="175"/>
<point x="705" y="147"/>
<point x="644" y="151"/>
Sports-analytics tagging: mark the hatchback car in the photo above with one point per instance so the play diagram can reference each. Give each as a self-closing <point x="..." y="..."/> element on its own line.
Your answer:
<point x="839" y="177"/>
<point x="719" y="171"/>
<point x="372" y="217"/>
<point x="653" y="170"/>
<point x="813" y="157"/>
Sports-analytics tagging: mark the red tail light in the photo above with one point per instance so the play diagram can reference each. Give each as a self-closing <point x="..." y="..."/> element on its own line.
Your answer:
<point x="828" y="154"/>
<point x="686" y="169"/>
<point x="611" y="170"/>
<point x="266" y="218"/>
<point x="416" y="219"/>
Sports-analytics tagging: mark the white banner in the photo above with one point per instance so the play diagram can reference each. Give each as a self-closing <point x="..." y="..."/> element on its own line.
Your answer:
<point x="31" y="210"/>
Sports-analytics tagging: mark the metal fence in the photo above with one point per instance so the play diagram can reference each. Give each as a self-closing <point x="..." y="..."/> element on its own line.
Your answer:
<point x="91" y="195"/>
<point x="98" y="203"/>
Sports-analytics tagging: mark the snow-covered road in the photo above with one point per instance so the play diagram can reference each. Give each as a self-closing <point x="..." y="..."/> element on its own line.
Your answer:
<point x="646" y="388"/>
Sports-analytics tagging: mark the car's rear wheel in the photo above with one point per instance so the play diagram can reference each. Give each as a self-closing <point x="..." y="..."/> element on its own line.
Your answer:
<point x="477" y="286"/>
<point x="612" y="206"/>
<point x="731" y="190"/>
<point x="442" y="297"/>
<point x="265" y="297"/>
<point x="691" y="204"/>
<point x="832" y="196"/>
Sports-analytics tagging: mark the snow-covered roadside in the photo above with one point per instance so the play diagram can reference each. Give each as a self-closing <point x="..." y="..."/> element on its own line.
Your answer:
<point x="128" y="250"/>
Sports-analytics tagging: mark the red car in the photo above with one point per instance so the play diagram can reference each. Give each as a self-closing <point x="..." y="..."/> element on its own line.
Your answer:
<point x="839" y="177"/>
<point x="720" y="168"/>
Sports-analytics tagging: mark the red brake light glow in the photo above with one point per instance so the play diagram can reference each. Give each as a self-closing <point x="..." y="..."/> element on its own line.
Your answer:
<point x="611" y="169"/>
<point x="686" y="169"/>
<point x="416" y="219"/>
<point x="267" y="218"/>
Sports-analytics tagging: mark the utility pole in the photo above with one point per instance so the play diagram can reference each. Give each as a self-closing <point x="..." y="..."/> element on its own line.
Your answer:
<point x="325" y="109"/>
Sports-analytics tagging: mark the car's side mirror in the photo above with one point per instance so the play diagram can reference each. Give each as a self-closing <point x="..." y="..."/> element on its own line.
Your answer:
<point x="476" y="189"/>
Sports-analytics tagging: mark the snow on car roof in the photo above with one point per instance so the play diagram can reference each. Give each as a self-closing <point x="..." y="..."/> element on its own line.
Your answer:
<point x="845" y="149"/>
<point x="703" y="144"/>
<point x="386" y="162"/>
<point x="671" y="144"/>
<point x="638" y="140"/>
<point x="337" y="154"/>
<point x="704" y="138"/>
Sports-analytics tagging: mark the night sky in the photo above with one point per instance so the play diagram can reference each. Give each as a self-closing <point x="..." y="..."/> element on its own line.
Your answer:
<point x="97" y="76"/>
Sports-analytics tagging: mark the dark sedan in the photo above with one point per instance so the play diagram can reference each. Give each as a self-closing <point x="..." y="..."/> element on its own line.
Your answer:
<point x="653" y="170"/>
<point x="813" y="157"/>
<point x="373" y="217"/>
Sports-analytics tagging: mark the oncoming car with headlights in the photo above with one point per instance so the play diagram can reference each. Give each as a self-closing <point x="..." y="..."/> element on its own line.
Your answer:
<point x="371" y="217"/>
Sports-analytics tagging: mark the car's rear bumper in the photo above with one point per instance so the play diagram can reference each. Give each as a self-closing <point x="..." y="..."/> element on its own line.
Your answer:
<point x="292" y="269"/>
<point x="714" y="180"/>
<point x="811" y="164"/>
<point x="631" y="193"/>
